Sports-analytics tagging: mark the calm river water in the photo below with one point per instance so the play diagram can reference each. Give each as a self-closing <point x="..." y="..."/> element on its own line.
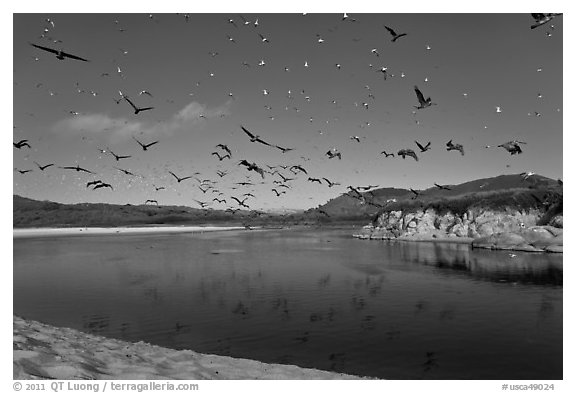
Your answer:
<point x="314" y="298"/>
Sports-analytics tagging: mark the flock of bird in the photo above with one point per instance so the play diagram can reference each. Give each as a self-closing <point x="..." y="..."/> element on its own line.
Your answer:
<point x="282" y="175"/>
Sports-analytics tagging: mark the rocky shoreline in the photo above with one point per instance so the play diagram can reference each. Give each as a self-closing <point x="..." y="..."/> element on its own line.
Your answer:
<point x="41" y="351"/>
<point x="507" y="230"/>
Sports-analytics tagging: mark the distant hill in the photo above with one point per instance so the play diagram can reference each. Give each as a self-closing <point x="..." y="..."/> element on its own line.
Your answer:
<point x="496" y="192"/>
<point x="499" y="191"/>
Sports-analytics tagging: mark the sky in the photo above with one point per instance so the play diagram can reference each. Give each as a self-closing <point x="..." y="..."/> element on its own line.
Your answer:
<point x="492" y="77"/>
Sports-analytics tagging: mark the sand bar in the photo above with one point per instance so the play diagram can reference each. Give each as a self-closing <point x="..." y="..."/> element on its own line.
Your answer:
<point x="42" y="351"/>
<point x="43" y="232"/>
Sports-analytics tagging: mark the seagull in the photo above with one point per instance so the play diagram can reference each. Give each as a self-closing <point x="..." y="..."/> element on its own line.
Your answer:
<point x="330" y="183"/>
<point x="225" y="148"/>
<point x="542" y="19"/>
<point x="395" y="36"/>
<point x="375" y="51"/>
<point x="126" y="172"/>
<point x="254" y="138"/>
<point x="442" y="187"/>
<point x="23" y="171"/>
<point x="264" y="39"/>
<point x="151" y="201"/>
<point x="60" y="54"/>
<point x="145" y="92"/>
<point x="526" y="175"/>
<point x="252" y="167"/>
<point x="424" y="103"/>
<point x="136" y="109"/>
<point x="117" y="157"/>
<point x="423" y="148"/>
<point x="416" y="193"/>
<point x="334" y="153"/>
<point x="241" y="203"/>
<point x="278" y="193"/>
<point x="283" y="149"/>
<point x="215" y="153"/>
<point x="42" y="167"/>
<point x="313" y="180"/>
<point x="101" y="185"/>
<point x="387" y="154"/>
<point x="407" y="152"/>
<point x="513" y="147"/>
<point x="76" y="168"/>
<point x="21" y="144"/>
<point x="145" y="146"/>
<point x="92" y="183"/>
<point x="219" y="200"/>
<point x="355" y="138"/>
<point x="158" y="188"/>
<point x="452" y="146"/>
<point x="179" y="178"/>
<point x="298" y="168"/>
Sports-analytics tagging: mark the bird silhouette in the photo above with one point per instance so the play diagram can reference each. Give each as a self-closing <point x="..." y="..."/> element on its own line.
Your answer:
<point x="283" y="149"/>
<point x="452" y="146"/>
<point x="297" y="168"/>
<point x="23" y="171"/>
<point x="416" y="193"/>
<point x="254" y="138"/>
<point x="159" y="188"/>
<point x="407" y="152"/>
<point x="330" y="183"/>
<point x="136" y="109"/>
<point x="395" y="36"/>
<point x="179" y="178"/>
<point x="442" y="187"/>
<point x="215" y="153"/>
<point x="202" y="204"/>
<point x="277" y="192"/>
<point x="117" y="157"/>
<point x="127" y="172"/>
<point x="252" y="167"/>
<point x="151" y="201"/>
<point x="241" y="202"/>
<point x="60" y="54"/>
<point x="21" y="144"/>
<point x="423" y="148"/>
<point x="93" y="183"/>
<point x="219" y="200"/>
<point x="221" y="173"/>
<point x="225" y="148"/>
<point x="387" y="154"/>
<point x="424" y="102"/>
<point x="314" y="180"/>
<point x="145" y="146"/>
<point x="76" y="168"/>
<point x="513" y="147"/>
<point x="101" y="185"/>
<point x="42" y="167"/>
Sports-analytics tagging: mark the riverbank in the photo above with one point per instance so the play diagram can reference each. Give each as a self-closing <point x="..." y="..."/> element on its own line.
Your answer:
<point x="42" y="351"/>
<point x="43" y="232"/>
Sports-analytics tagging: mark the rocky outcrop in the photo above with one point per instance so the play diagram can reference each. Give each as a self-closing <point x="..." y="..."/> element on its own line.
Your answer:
<point x="508" y="229"/>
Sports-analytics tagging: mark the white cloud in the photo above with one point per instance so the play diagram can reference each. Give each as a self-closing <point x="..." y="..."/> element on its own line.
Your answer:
<point x="121" y="129"/>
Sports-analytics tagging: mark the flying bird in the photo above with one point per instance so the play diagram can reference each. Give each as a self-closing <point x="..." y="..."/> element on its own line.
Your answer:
<point x="225" y="148"/>
<point x="93" y="183"/>
<point x="277" y="192"/>
<point x="145" y="146"/>
<point x="423" y="148"/>
<point x="314" y="180"/>
<point x="101" y="185"/>
<point x="424" y="102"/>
<point x="126" y="172"/>
<point x="21" y="144"/>
<point x="42" y="167"/>
<point x="252" y="167"/>
<point x="60" y="54"/>
<point x="76" y="168"/>
<point x="395" y="36"/>
<point x="513" y="147"/>
<point x="215" y="153"/>
<point x="23" y="171"/>
<point x="452" y="146"/>
<point x="334" y="153"/>
<point x="179" y="178"/>
<point x="297" y="168"/>
<point x="416" y="193"/>
<point x="136" y="109"/>
<point x="159" y="188"/>
<point x="241" y="203"/>
<point x="117" y="157"/>
<point x="151" y="201"/>
<point x="387" y="154"/>
<point x="442" y="187"/>
<point x="254" y="138"/>
<point x="407" y="152"/>
<point x="283" y="149"/>
<point x="330" y="183"/>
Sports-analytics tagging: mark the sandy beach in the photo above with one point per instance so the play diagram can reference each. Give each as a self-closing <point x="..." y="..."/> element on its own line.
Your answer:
<point x="43" y="232"/>
<point x="42" y="351"/>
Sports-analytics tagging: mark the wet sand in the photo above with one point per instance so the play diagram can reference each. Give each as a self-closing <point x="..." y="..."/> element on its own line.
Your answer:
<point x="42" y="351"/>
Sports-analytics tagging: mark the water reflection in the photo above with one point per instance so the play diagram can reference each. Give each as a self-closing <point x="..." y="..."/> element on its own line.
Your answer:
<point x="312" y="298"/>
<point x="489" y="265"/>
